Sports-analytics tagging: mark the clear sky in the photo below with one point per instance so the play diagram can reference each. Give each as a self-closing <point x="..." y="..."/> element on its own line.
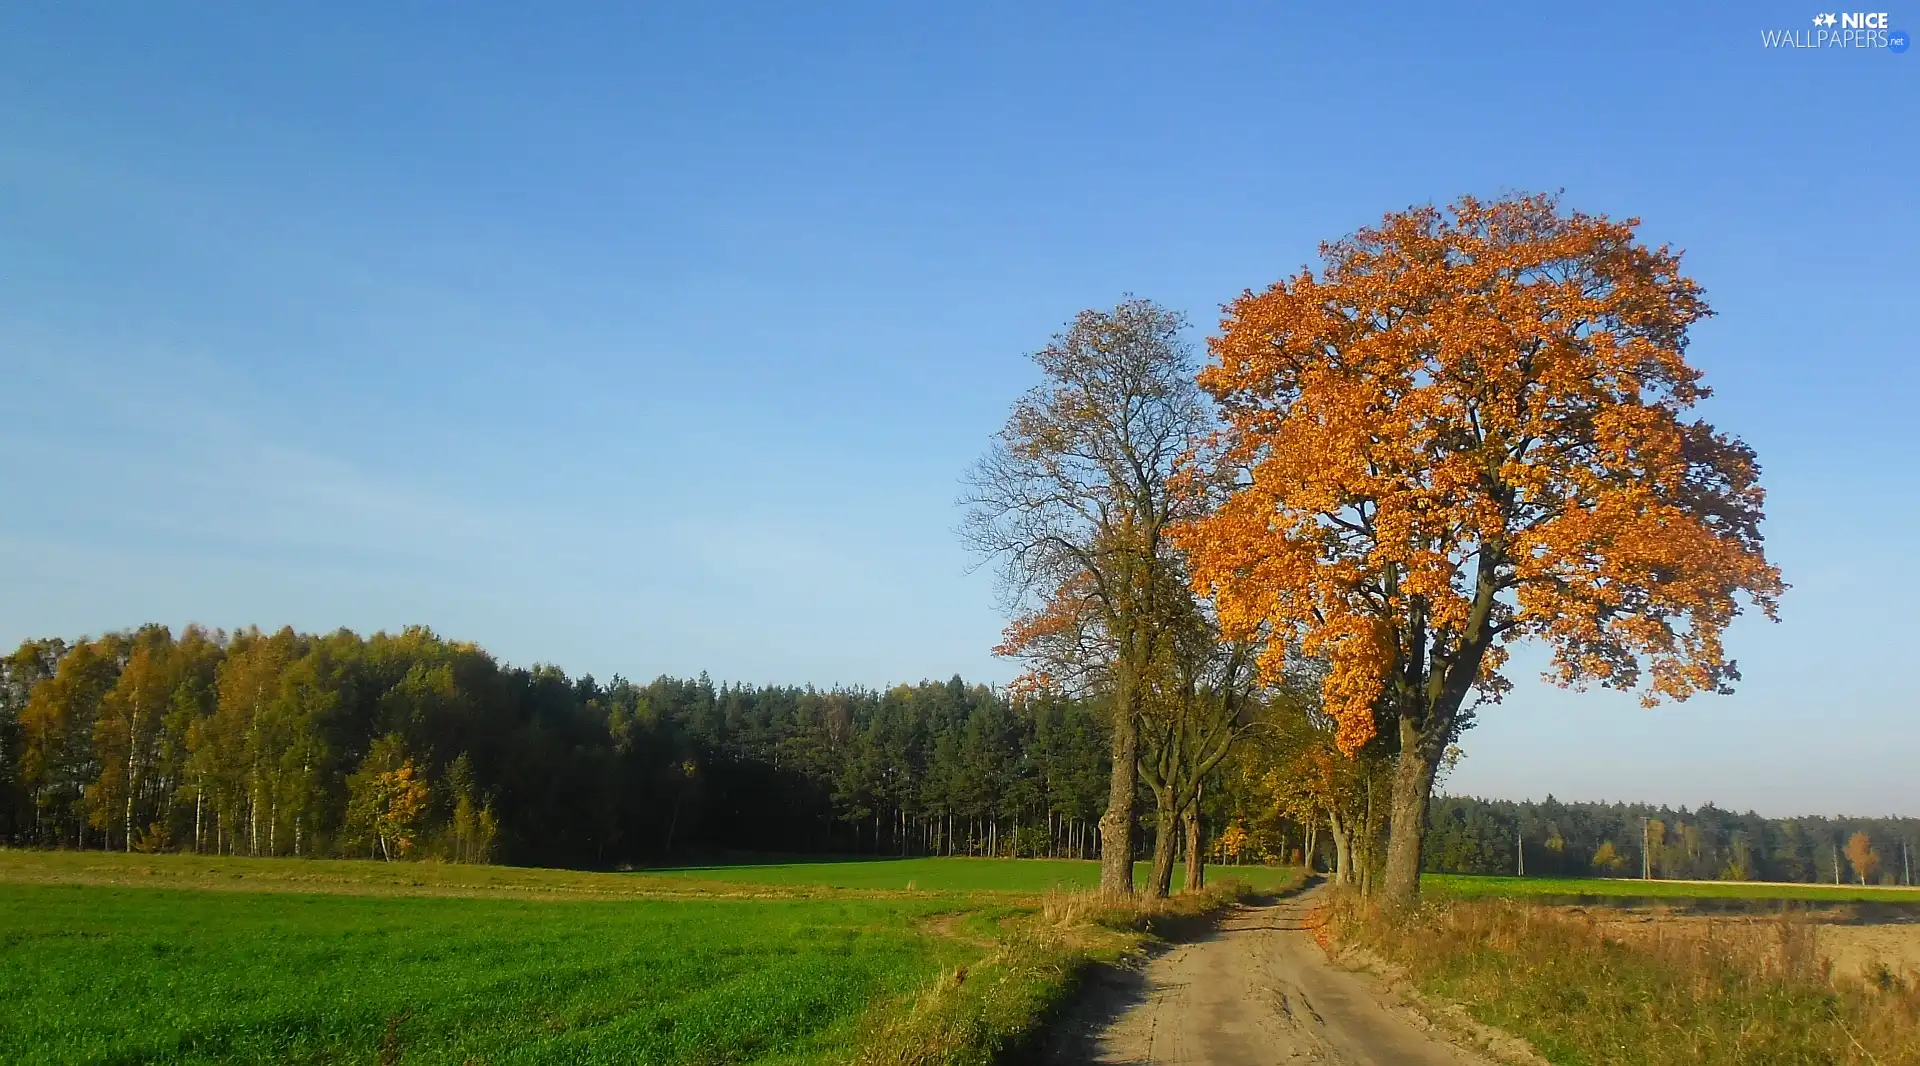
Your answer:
<point x="656" y="341"/>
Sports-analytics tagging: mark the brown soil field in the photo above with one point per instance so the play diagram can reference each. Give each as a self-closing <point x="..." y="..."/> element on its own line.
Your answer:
<point x="1856" y="948"/>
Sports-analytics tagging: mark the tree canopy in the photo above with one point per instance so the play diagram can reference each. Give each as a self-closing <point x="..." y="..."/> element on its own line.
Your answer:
<point x="1470" y="427"/>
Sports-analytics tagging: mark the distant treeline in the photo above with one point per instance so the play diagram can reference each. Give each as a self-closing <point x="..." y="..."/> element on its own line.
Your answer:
<point x="295" y="744"/>
<point x="1479" y="836"/>
<point x="411" y="745"/>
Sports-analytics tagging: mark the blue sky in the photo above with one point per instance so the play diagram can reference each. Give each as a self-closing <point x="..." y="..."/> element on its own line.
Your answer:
<point x="655" y="341"/>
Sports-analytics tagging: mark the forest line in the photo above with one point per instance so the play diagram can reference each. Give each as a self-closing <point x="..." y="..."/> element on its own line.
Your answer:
<point x="277" y="743"/>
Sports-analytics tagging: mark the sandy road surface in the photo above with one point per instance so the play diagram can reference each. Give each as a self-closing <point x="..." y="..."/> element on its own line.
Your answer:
<point x="1256" y="992"/>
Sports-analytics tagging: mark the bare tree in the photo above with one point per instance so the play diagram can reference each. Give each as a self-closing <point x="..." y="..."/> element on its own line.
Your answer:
<point x="1073" y="500"/>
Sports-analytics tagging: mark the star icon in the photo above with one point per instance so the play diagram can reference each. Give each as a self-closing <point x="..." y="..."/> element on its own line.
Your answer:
<point x="1830" y="20"/>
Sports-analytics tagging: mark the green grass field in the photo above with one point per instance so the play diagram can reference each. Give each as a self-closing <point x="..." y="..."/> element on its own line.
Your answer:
<point x="358" y="877"/>
<point x="137" y="975"/>
<point x="1461" y="886"/>
<point x="187" y="959"/>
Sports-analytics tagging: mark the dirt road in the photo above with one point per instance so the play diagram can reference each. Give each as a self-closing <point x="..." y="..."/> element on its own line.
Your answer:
<point x="1258" y="991"/>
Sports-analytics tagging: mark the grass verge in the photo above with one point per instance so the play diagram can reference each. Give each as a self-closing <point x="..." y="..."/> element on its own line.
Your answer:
<point x="1750" y="993"/>
<point x="997" y="1008"/>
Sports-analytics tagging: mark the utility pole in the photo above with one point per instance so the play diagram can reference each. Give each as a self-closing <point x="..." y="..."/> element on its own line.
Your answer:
<point x="1520" y="850"/>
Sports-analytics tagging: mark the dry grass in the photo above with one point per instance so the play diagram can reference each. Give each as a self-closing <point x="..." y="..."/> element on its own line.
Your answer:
<point x="1582" y="991"/>
<point x="1855" y="948"/>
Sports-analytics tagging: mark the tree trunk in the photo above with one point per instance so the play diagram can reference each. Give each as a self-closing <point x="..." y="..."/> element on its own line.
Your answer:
<point x="1166" y="838"/>
<point x="1412" y="788"/>
<point x="306" y="785"/>
<point x="1342" y="849"/>
<point x="133" y="740"/>
<point x="1369" y="837"/>
<point x="1196" y="862"/>
<point x="1116" y="825"/>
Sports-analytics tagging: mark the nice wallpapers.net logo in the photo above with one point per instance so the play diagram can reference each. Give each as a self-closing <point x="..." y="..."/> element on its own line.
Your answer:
<point x="1844" y="29"/>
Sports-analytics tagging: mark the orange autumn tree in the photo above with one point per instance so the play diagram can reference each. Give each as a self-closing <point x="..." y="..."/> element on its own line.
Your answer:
<point x="387" y="800"/>
<point x="1862" y="857"/>
<point x="1471" y="428"/>
<point x="401" y="801"/>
